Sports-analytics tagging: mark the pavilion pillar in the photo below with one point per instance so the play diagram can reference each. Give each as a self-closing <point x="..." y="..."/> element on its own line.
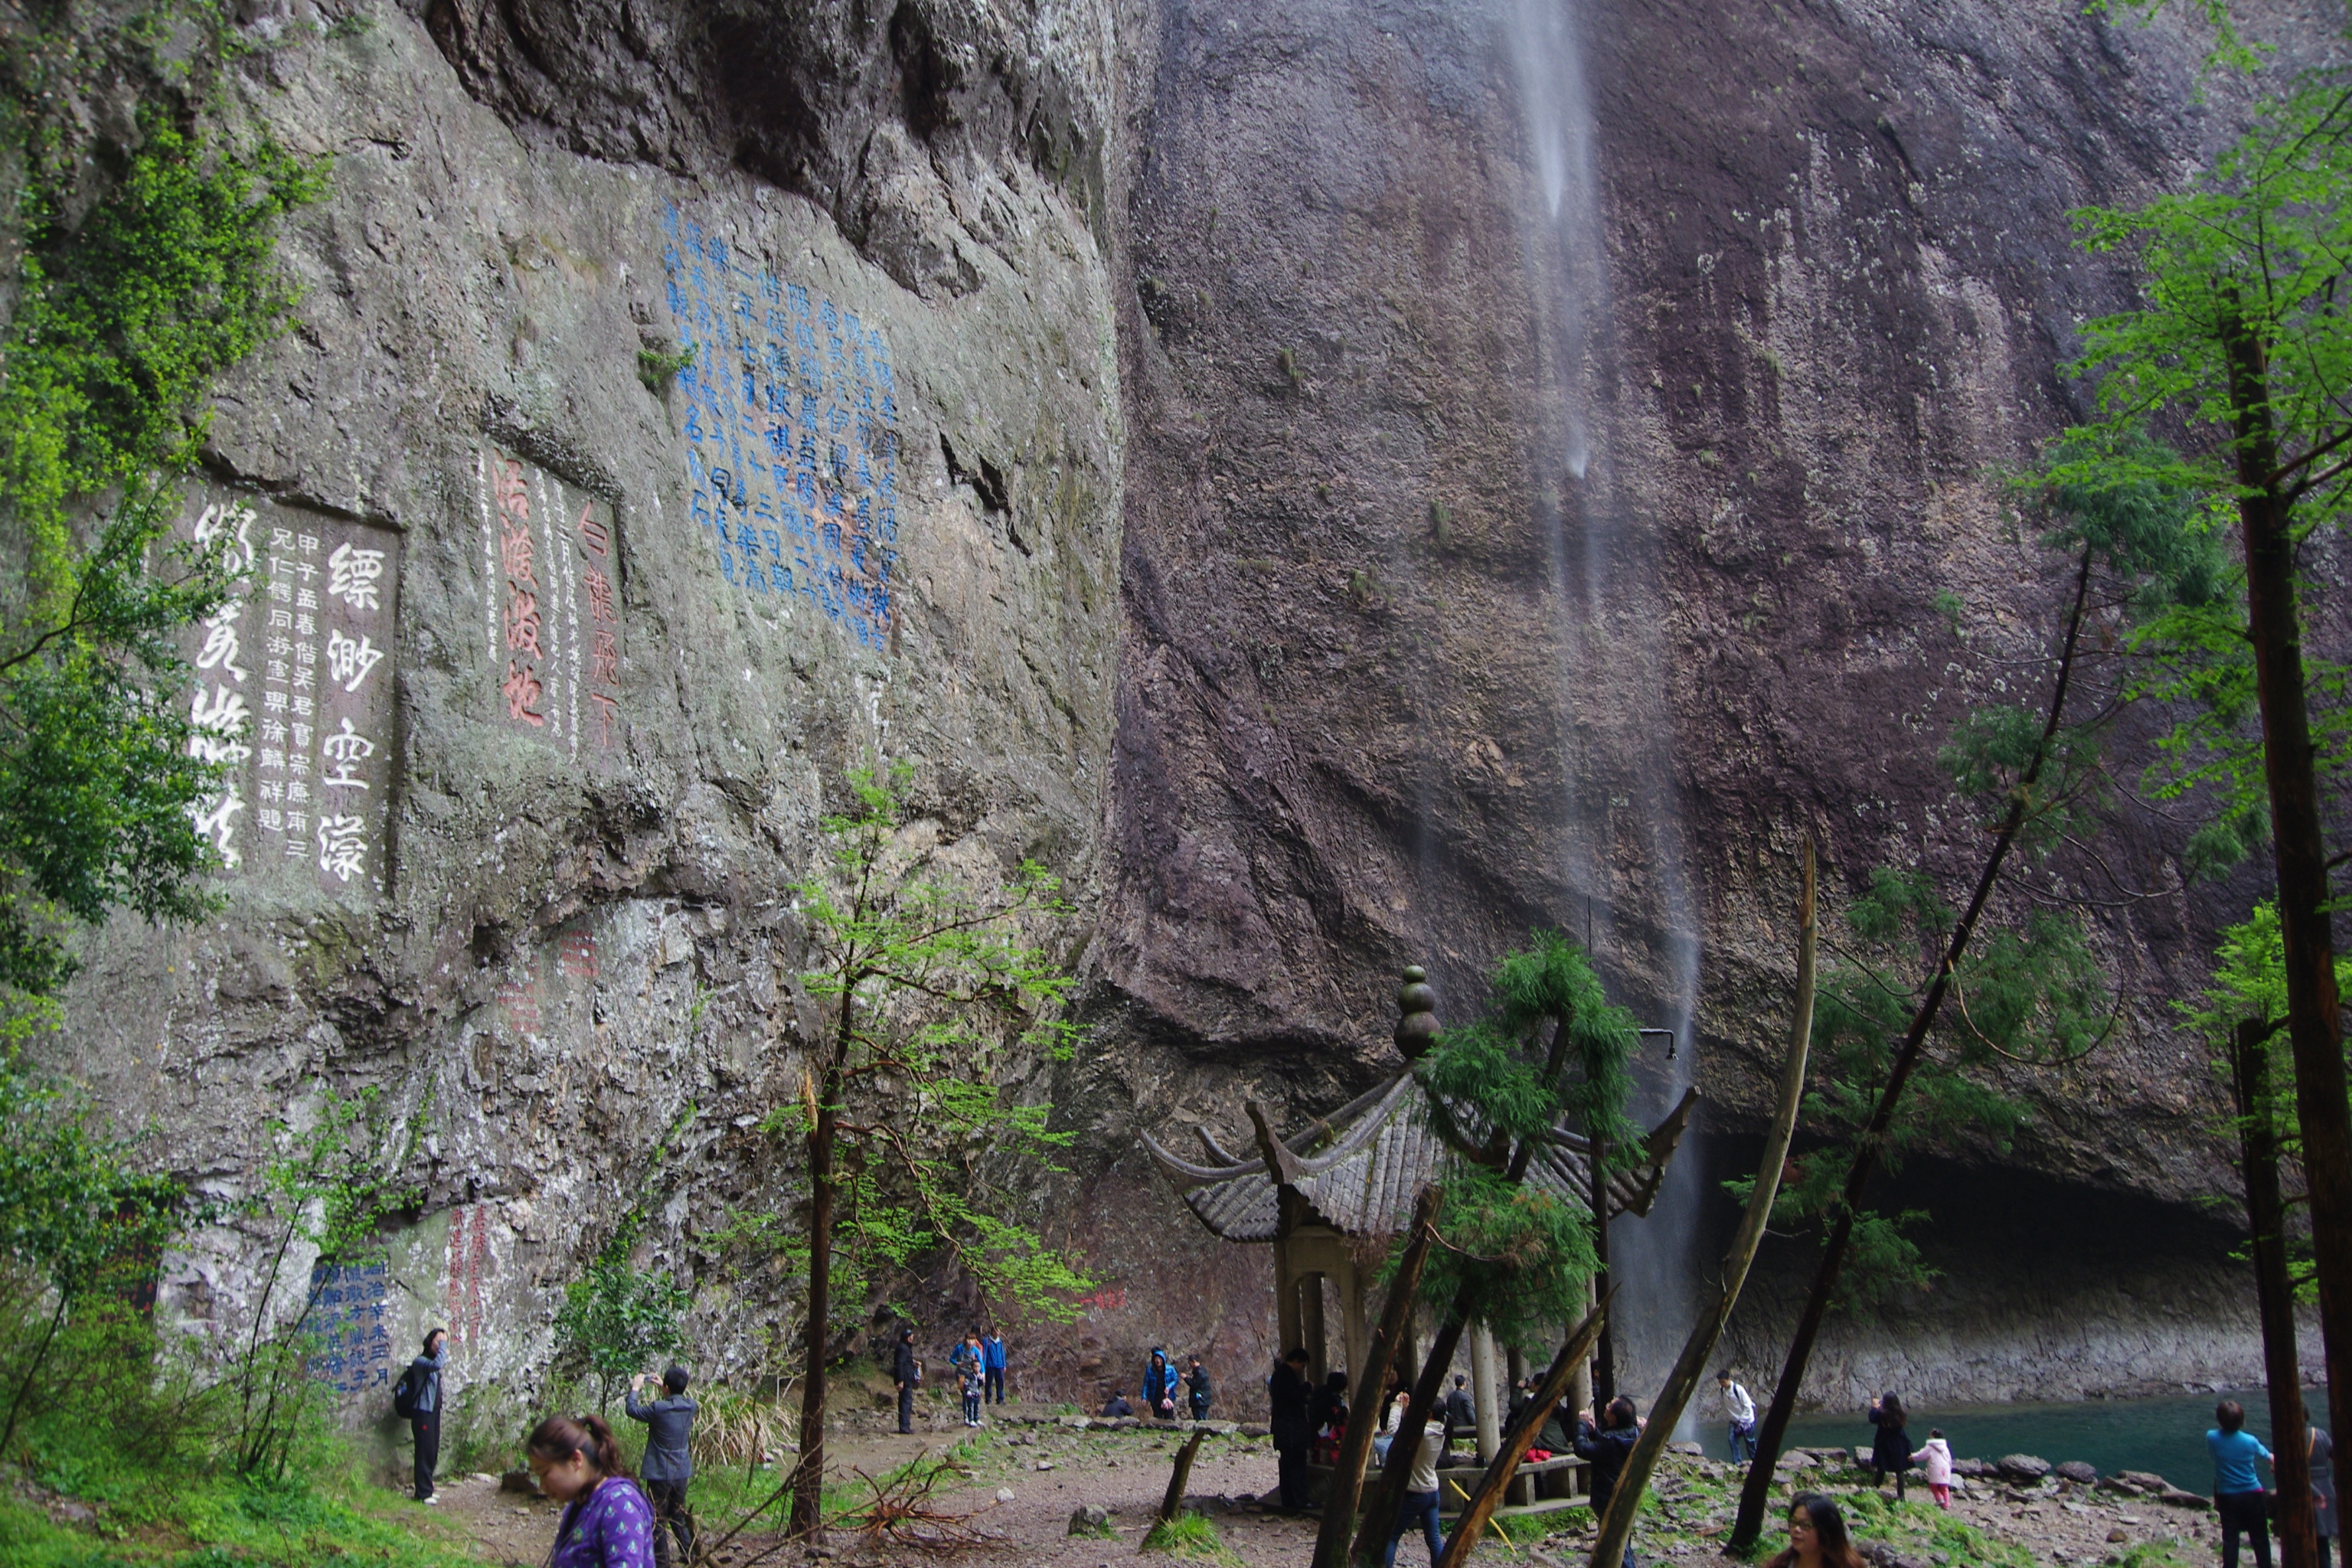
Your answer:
<point x="1286" y="1300"/>
<point x="1353" y="1328"/>
<point x="1579" y="1383"/>
<point x="1483" y="1399"/>
<point x="1310" y="1325"/>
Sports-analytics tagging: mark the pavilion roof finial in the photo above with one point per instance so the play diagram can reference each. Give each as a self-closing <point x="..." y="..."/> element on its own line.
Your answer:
<point x="1418" y="1003"/>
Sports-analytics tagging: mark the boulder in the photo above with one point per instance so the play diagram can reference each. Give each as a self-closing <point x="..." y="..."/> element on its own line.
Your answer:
<point x="2022" y="1467"/>
<point x="1691" y="1450"/>
<point x="2079" y="1472"/>
<point x="1797" y="1461"/>
<point x="2196" y="1501"/>
<point x="1088" y="1520"/>
<point x="2145" y="1480"/>
<point x="1974" y="1469"/>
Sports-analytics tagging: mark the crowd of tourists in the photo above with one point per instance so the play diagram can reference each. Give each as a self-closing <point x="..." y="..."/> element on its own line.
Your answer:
<point x="613" y="1519"/>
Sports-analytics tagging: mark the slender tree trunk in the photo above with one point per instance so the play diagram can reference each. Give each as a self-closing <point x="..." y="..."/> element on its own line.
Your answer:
<point x="1499" y="1472"/>
<point x="1389" y="1495"/>
<point x="1371" y="1382"/>
<point x="1604" y="1355"/>
<point x="1869" y="1146"/>
<point x="808" y="1494"/>
<point x="16" y="1405"/>
<point x="2314" y="1025"/>
<point x="2266" y="1218"/>
<point x="1617" y="1524"/>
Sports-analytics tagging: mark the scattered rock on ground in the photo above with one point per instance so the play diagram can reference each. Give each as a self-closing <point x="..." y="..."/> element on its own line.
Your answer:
<point x="1087" y="1520"/>
<point x="2078" y="1471"/>
<point x="2022" y="1467"/>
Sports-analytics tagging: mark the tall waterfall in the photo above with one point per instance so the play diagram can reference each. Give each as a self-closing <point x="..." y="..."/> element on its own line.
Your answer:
<point x="1604" y="577"/>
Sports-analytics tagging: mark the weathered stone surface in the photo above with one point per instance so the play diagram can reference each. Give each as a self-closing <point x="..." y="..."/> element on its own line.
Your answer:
<point x="2022" y="1467"/>
<point x="1285" y="555"/>
<point x="2078" y="1471"/>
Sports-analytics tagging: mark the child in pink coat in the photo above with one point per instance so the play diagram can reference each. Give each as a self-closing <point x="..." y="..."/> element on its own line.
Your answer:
<point x="1936" y="1458"/>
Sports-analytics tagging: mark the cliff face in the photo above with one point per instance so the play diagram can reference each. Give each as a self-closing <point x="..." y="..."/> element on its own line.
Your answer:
<point x="1336" y="514"/>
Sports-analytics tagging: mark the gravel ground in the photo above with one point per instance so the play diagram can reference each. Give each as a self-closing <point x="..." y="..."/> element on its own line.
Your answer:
<point x="1019" y="1485"/>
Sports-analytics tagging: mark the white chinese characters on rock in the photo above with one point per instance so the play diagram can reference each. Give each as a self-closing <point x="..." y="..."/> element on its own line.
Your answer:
<point x="220" y="721"/>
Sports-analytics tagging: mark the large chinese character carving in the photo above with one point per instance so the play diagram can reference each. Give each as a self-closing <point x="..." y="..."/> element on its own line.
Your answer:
<point x="352" y="576"/>
<point x="552" y="612"/>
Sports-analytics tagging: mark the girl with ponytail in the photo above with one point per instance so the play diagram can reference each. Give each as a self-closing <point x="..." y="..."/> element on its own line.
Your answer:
<point x="606" y="1522"/>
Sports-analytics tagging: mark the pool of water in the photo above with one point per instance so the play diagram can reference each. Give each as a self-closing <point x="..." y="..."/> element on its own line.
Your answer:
<point x="2165" y="1434"/>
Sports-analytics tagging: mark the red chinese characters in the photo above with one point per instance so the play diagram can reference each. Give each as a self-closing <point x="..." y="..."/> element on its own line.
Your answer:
<point x="523" y="687"/>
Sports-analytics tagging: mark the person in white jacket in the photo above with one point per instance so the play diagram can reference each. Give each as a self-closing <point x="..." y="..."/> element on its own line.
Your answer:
<point x="1739" y="1415"/>
<point x="1936" y="1458"/>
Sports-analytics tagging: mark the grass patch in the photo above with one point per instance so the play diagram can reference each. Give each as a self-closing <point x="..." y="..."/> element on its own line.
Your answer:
<point x="1192" y="1536"/>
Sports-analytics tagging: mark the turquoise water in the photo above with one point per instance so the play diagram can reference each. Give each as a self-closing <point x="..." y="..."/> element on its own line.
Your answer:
<point x="2166" y="1434"/>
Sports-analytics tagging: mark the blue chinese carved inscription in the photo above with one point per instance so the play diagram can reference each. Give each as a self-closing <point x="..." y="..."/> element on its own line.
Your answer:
<point x="347" y="1307"/>
<point x="791" y="430"/>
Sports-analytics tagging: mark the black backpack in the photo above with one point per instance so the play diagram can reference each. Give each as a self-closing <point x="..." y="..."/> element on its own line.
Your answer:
<point x="406" y="1391"/>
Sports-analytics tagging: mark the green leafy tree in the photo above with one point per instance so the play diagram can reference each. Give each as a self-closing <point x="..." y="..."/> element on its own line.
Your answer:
<point x="327" y="1191"/>
<point x="2243" y="338"/>
<point x="76" y="1219"/>
<point x="124" y="315"/>
<point x="618" y="1318"/>
<point x="932" y="980"/>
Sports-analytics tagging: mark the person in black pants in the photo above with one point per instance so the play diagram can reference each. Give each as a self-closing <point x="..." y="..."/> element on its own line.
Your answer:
<point x="1890" y="1451"/>
<point x="670" y="1460"/>
<point x="1197" y="1382"/>
<point x="1292" y="1416"/>
<point x="424" y="1423"/>
<point x="907" y="1375"/>
<point x="1608" y="1446"/>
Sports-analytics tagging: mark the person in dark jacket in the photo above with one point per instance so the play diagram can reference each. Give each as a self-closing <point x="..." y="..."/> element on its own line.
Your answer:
<point x="425" y="1424"/>
<point x="669" y="1464"/>
<point x="907" y="1376"/>
<point x="1196" y="1381"/>
<point x="1458" y="1409"/>
<point x="1291" y="1400"/>
<point x="1891" y="1449"/>
<point x="1117" y="1404"/>
<point x="1607" y="1446"/>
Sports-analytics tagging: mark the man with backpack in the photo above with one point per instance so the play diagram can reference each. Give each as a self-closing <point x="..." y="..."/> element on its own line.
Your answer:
<point x="417" y="1398"/>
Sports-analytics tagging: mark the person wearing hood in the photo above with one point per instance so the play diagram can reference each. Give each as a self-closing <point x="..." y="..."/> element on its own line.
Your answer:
<point x="1935" y="1460"/>
<point x="1159" y="1386"/>
<point x="424" y="1418"/>
<point x="669" y="1461"/>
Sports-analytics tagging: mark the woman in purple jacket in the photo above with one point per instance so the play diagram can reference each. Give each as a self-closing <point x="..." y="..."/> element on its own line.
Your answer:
<point x="606" y="1522"/>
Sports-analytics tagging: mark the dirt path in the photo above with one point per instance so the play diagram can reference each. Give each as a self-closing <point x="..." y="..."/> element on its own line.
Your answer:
<point x="1020" y="1485"/>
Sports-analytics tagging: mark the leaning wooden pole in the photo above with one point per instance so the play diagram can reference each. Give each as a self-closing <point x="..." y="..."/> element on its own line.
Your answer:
<point x="1172" y="1503"/>
<point x="1506" y="1463"/>
<point x="1388" y="1495"/>
<point x="1371" y="1379"/>
<point x="1625" y="1502"/>
<point x="1870" y="1143"/>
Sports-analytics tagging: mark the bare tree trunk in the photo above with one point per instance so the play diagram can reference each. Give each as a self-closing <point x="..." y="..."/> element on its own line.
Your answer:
<point x="808" y="1492"/>
<point x="1491" y="1484"/>
<point x="2266" y="1218"/>
<point x="1390" y="1495"/>
<point x="2314" y="1025"/>
<point x="1617" y="1524"/>
<point x="1171" y="1502"/>
<point x="1869" y="1146"/>
<point x="1371" y="1382"/>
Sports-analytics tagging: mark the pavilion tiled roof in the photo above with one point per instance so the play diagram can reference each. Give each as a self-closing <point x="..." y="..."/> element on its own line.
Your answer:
<point x="1361" y="1169"/>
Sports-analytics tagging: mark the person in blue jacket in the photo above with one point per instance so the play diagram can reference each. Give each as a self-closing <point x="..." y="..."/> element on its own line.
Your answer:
<point x="1159" y="1386"/>
<point x="2238" y="1495"/>
<point x="992" y="1350"/>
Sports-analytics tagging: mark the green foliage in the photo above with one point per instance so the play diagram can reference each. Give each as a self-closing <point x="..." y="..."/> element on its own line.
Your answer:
<point x="328" y="1191"/>
<point x="656" y="368"/>
<point x="1189" y="1534"/>
<point x="1552" y="981"/>
<point x="1523" y="1254"/>
<point x="616" y="1319"/>
<point x="938" y="988"/>
<point x="2252" y="251"/>
<point x="124" y="319"/>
